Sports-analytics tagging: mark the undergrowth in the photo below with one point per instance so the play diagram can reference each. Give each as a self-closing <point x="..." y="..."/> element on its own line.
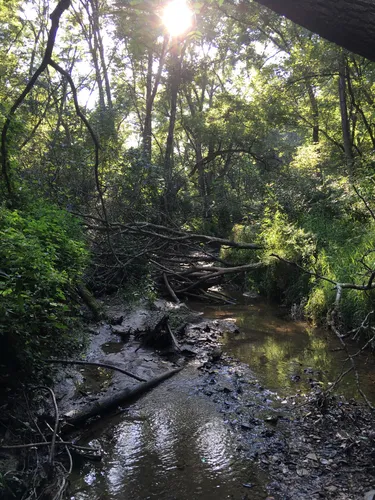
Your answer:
<point x="43" y="256"/>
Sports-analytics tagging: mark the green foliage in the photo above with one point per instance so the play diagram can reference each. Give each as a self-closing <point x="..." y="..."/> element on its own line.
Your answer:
<point x="134" y="185"/>
<point x="42" y="257"/>
<point x="281" y="281"/>
<point x="257" y="149"/>
<point x="286" y="239"/>
<point x="344" y="260"/>
<point x="246" y="234"/>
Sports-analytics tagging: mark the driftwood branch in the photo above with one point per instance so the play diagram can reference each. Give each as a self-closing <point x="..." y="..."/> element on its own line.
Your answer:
<point x="170" y="289"/>
<point x="181" y="261"/>
<point x="221" y="272"/>
<point x="90" y="301"/>
<point x="56" y="427"/>
<point x="47" y="443"/>
<point x="91" y="363"/>
<point x="173" y="338"/>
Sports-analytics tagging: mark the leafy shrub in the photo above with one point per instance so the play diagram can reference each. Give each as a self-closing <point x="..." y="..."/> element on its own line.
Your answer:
<point x="342" y="261"/>
<point x="278" y="280"/>
<point x="42" y="255"/>
<point x="281" y="281"/>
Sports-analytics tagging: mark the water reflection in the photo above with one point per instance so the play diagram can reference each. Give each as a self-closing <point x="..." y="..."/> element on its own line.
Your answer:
<point x="176" y="448"/>
<point x="288" y="355"/>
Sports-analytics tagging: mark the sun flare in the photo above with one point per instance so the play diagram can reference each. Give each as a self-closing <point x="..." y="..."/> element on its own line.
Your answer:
<point x="177" y="17"/>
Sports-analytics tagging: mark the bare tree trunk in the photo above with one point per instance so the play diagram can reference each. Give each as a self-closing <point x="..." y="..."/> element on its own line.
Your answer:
<point x="169" y="191"/>
<point x="314" y="110"/>
<point x="95" y="43"/>
<point x="147" y="127"/>
<point x="358" y="107"/>
<point x="345" y="126"/>
<point x="151" y="91"/>
<point x="196" y="140"/>
<point x="100" y="45"/>
<point x="109" y="116"/>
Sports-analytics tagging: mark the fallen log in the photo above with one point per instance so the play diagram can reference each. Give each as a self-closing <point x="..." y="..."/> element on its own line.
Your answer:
<point x="78" y="417"/>
<point x="90" y="302"/>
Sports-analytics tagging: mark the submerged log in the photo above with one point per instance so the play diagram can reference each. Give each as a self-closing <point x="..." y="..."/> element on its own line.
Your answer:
<point x="78" y="417"/>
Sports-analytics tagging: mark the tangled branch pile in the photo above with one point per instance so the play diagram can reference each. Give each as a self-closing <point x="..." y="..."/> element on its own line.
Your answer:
<point x="181" y="263"/>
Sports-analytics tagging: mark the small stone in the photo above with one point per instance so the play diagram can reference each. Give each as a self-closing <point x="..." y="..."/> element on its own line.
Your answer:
<point x="120" y="330"/>
<point x="331" y="488"/>
<point x="302" y="472"/>
<point x="216" y="354"/>
<point x="245" y="426"/>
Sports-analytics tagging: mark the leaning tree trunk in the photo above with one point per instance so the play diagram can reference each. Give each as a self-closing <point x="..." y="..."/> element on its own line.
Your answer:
<point x="348" y="23"/>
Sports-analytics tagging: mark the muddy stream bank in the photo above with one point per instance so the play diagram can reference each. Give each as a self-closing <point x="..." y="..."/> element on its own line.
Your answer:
<point x="234" y="423"/>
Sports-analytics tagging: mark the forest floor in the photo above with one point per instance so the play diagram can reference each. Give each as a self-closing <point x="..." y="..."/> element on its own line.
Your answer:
<point x="311" y="447"/>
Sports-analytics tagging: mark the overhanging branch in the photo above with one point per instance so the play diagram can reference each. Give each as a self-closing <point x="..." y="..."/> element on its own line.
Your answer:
<point x="55" y="18"/>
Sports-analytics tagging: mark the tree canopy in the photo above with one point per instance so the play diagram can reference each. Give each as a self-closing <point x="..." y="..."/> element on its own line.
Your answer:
<point x="245" y="132"/>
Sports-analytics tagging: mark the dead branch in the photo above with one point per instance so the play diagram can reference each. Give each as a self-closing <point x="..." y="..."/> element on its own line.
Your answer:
<point x="181" y="260"/>
<point x="363" y="326"/>
<point x="364" y="201"/>
<point x="56" y="428"/>
<point x="170" y="289"/>
<point x="332" y="325"/>
<point x="47" y="443"/>
<point x="170" y="233"/>
<point x="173" y="338"/>
<point x="222" y="272"/>
<point x="91" y="363"/>
<point x="339" y="286"/>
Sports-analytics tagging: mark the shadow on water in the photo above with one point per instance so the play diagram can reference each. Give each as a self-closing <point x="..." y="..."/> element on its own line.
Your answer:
<point x="289" y="355"/>
<point x="171" y="445"/>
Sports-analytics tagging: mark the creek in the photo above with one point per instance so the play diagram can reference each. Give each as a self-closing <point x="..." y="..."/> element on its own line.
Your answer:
<point x="175" y="442"/>
<point x="290" y="355"/>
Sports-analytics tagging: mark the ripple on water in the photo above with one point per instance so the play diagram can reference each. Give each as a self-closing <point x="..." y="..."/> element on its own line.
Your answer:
<point x="180" y="449"/>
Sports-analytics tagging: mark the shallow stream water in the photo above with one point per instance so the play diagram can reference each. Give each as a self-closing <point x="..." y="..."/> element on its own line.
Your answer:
<point x="290" y="355"/>
<point x="174" y="444"/>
